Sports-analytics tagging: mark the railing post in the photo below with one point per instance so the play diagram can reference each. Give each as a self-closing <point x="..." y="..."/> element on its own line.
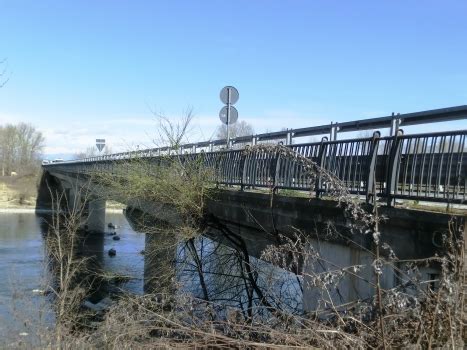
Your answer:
<point x="219" y="156"/>
<point x="393" y="165"/>
<point x="320" y="162"/>
<point x="288" y="138"/>
<point x="371" y="172"/>
<point x="333" y="133"/>
<point x="243" y="167"/>
<point x="276" y="174"/>
<point x="395" y="123"/>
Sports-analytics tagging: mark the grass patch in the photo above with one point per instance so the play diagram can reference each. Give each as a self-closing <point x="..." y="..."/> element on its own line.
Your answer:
<point x="18" y="191"/>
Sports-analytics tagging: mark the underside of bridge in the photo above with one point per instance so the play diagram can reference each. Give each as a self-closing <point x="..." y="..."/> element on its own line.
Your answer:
<point x="68" y="193"/>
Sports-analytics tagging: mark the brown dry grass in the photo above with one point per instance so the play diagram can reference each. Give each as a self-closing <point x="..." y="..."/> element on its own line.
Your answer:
<point x="18" y="191"/>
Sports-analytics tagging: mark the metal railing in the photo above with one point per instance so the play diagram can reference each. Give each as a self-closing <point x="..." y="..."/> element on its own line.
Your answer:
<point x="288" y="137"/>
<point x="428" y="167"/>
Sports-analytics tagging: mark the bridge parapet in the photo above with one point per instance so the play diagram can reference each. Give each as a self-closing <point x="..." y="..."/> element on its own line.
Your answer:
<point x="426" y="167"/>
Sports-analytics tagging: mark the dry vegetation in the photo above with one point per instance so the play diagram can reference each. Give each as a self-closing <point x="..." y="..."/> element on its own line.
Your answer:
<point x="20" y="149"/>
<point x="18" y="191"/>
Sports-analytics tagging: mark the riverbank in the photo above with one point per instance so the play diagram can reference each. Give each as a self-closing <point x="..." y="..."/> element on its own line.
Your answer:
<point x="14" y="200"/>
<point x="18" y="192"/>
<point x="27" y="209"/>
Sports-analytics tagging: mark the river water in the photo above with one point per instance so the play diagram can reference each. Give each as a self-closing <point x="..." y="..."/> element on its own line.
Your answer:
<point x="23" y="270"/>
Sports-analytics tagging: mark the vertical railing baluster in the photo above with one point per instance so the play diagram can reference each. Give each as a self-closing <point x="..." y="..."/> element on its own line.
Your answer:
<point x="217" y="161"/>
<point x="371" y="170"/>
<point x="321" y="158"/>
<point x="447" y="175"/>
<point x="276" y="168"/>
<point x="394" y="161"/>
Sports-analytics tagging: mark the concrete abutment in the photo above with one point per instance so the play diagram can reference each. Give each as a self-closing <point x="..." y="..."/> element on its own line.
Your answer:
<point x="70" y="195"/>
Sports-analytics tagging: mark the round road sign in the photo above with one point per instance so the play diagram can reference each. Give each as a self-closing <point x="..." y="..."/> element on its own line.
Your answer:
<point x="225" y="95"/>
<point x="232" y="117"/>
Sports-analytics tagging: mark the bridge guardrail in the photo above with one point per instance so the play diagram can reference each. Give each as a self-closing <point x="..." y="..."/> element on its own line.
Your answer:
<point x="394" y="122"/>
<point x="429" y="167"/>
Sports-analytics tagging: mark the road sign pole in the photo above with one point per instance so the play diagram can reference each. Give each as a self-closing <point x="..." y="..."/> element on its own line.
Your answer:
<point x="228" y="114"/>
<point x="228" y="118"/>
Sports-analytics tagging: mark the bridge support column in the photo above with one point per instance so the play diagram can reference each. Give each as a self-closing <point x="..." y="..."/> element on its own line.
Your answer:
<point x="159" y="263"/>
<point x="96" y="216"/>
<point x="350" y="271"/>
<point x="74" y="200"/>
<point x="463" y="275"/>
<point x="91" y="247"/>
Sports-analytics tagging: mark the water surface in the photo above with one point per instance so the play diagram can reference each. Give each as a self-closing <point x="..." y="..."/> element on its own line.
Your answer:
<point x="23" y="270"/>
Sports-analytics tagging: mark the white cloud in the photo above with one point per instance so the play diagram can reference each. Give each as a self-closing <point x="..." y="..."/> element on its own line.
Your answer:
<point x="120" y="134"/>
<point x="124" y="132"/>
<point x="12" y="119"/>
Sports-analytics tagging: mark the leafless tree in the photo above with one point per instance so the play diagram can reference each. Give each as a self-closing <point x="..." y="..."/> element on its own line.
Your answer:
<point x="173" y="132"/>
<point x="241" y="128"/>
<point x="20" y="148"/>
<point x="3" y="73"/>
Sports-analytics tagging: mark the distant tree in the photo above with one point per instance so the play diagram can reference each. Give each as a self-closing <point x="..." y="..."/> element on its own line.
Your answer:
<point x="365" y="134"/>
<point x="21" y="146"/>
<point x="241" y="128"/>
<point x="30" y="144"/>
<point x="3" y="72"/>
<point x="7" y="148"/>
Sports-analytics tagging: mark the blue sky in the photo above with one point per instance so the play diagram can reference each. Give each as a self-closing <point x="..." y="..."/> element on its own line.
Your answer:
<point x="81" y="70"/>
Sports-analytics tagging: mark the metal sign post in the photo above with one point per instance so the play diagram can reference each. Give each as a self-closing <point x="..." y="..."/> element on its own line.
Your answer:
<point x="228" y="117"/>
<point x="229" y="114"/>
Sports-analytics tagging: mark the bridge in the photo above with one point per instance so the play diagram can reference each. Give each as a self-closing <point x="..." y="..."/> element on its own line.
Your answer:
<point x="427" y="167"/>
<point x="262" y="180"/>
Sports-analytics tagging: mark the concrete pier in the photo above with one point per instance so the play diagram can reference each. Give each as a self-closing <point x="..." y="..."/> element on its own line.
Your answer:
<point x="96" y="215"/>
<point x="159" y="263"/>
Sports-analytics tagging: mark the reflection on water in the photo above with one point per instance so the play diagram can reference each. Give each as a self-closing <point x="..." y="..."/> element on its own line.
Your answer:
<point x="207" y="269"/>
<point x="21" y="269"/>
<point x="225" y="276"/>
<point x="129" y="261"/>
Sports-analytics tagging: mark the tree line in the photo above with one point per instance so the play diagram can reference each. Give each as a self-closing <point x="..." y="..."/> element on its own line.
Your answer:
<point x="21" y="146"/>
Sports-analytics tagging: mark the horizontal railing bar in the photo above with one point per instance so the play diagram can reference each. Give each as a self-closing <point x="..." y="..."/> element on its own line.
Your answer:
<point x="434" y="116"/>
<point x="425" y="117"/>
<point x="427" y="134"/>
<point x="430" y="116"/>
<point x="127" y="154"/>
